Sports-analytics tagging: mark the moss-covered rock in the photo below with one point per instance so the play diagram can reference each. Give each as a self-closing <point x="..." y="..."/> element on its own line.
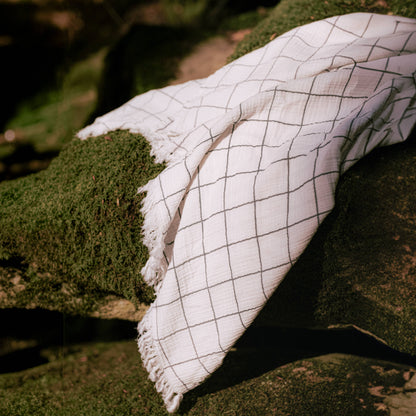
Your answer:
<point x="107" y="379"/>
<point x="370" y="253"/>
<point x="331" y="384"/>
<point x="289" y="14"/>
<point x="360" y="268"/>
<point x="70" y="236"/>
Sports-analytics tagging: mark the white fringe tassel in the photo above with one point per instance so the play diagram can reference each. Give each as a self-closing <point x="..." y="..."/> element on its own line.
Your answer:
<point x="153" y="232"/>
<point x="152" y="364"/>
<point x="153" y="272"/>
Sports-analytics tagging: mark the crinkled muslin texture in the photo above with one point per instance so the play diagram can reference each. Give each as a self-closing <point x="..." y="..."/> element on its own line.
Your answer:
<point x="254" y="153"/>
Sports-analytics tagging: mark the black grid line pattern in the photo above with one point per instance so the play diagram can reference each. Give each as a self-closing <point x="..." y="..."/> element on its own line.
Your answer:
<point x="254" y="153"/>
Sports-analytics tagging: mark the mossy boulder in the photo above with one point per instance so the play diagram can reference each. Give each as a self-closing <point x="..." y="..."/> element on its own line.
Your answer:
<point x="70" y="236"/>
<point x="107" y="379"/>
<point x="93" y="369"/>
<point x="360" y="267"/>
<point x="292" y="13"/>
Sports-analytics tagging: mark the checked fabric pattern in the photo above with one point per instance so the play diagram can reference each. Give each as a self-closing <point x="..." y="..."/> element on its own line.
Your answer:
<point x="254" y="153"/>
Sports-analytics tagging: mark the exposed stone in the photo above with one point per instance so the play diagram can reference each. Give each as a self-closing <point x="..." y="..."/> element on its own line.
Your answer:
<point x="115" y="308"/>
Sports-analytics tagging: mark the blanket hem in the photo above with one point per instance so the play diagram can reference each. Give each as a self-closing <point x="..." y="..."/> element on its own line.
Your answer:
<point x="153" y="366"/>
<point x="153" y="271"/>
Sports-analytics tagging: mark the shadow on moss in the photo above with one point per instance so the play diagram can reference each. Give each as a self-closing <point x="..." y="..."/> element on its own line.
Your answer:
<point x="26" y="333"/>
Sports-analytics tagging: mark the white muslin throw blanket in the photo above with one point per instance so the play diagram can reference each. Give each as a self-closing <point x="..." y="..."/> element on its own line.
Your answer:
<point x="253" y="154"/>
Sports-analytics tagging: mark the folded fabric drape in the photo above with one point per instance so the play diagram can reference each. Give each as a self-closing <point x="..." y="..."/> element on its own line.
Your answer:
<point x="253" y="154"/>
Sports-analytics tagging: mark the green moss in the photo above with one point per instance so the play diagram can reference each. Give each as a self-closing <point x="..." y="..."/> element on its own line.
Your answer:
<point x="85" y="380"/>
<point x="359" y="267"/>
<point x="289" y="14"/>
<point x="107" y="379"/>
<point x="403" y="8"/>
<point x="333" y="384"/>
<point x="368" y="270"/>
<point x="246" y="20"/>
<point x="79" y="220"/>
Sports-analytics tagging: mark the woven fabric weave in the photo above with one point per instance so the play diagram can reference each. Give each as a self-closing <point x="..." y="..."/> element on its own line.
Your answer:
<point x="253" y="154"/>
